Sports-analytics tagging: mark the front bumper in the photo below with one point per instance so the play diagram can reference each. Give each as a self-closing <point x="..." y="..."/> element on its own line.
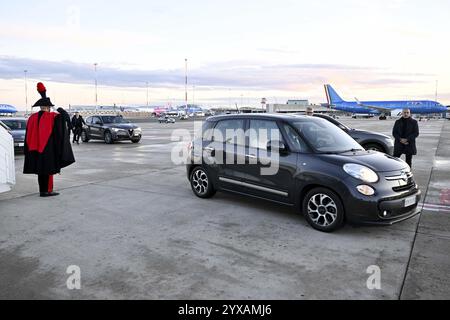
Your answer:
<point x="125" y="135"/>
<point x="19" y="144"/>
<point x="381" y="210"/>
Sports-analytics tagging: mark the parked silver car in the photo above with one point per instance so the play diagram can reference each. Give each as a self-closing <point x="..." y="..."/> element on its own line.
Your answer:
<point x="17" y="127"/>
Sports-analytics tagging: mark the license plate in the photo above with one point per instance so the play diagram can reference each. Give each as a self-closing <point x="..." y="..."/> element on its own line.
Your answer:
<point x="410" y="201"/>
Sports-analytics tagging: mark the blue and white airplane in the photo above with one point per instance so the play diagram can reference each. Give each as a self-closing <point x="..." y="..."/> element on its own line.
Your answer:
<point x="6" y="108"/>
<point x="382" y="108"/>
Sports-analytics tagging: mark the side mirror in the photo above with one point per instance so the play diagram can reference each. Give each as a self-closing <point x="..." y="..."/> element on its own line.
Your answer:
<point x="276" y="146"/>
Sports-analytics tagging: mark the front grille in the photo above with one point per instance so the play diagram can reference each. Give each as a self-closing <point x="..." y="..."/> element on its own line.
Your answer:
<point x="410" y="185"/>
<point x="404" y="181"/>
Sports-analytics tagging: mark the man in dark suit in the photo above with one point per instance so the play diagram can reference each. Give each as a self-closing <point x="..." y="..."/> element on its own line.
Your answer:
<point x="77" y="125"/>
<point x="406" y="131"/>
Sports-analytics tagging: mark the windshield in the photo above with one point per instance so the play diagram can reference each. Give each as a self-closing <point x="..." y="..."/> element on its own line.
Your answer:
<point x="112" y="119"/>
<point x="15" y="124"/>
<point x="325" y="137"/>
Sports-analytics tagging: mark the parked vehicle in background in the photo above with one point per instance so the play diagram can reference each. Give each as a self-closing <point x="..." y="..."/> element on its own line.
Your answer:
<point x="110" y="129"/>
<point x="7" y="166"/>
<point x="321" y="170"/>
<point x="368" y="139"/>
<point x="17" y="127"/>
<point x="166" y="119"/>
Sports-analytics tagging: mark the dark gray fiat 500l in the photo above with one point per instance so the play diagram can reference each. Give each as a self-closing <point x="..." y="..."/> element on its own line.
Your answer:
<point x="320" y="169"/>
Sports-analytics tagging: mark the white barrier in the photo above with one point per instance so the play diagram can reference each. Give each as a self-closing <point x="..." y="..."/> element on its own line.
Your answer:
<point x="7" y="168"/>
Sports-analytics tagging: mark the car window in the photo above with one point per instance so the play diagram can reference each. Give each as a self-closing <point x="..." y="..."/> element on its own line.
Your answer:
<point x="89" y="120"/>
<point x="295" y="139"/>
<point x="263" y="131"/>
<point x="230" y="132"/>
<point x="325" y="136"/>
<point x="207" y="131"/>
<point x="15" y="124"/>
<point x="95" y="120"/>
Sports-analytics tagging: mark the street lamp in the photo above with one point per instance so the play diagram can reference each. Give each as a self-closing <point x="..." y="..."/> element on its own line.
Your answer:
<point x="96" y="95"/>
<point x="147" y="92"/>
<point x="26" y="91"/>
<point x="186" y="83"/>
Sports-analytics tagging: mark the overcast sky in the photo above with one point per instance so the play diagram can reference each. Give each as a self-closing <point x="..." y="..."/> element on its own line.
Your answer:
<point x="238" y="51"/>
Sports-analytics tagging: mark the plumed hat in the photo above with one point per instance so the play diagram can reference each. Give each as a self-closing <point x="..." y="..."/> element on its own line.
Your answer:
<point x="44" y="101"/>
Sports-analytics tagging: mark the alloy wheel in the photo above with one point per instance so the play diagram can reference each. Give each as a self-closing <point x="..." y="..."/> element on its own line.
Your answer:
<point x="322" y="210"/>
<point x="200" y="182"/>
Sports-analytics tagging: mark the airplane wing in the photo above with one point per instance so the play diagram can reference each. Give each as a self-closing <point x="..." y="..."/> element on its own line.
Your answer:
<point x="381" y="109"/>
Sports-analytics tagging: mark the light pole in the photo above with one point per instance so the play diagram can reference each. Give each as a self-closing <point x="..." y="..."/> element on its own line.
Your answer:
<point x="26" y="91"/>
<point x="96" y="95"/>
<point x="186" y="83"/>
<point x="436" y="96"/>
<point x="193" y="94"/>
<point x="147" y="93"/>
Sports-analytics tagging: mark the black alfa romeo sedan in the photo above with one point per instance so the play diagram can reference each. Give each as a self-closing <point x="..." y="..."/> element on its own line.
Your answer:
<point x="320" y="170"/>
<point x="110" y="129"/>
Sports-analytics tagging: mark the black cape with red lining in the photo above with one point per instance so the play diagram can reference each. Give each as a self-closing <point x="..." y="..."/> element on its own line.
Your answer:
<point x="47" y="144"/>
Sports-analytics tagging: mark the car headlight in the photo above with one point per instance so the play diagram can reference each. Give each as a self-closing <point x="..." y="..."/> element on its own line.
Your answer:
<point x="361" y="172"/>
<point x="366" y="190"/>
<point x="116" y="129"/>
<point x="138" y="130"/>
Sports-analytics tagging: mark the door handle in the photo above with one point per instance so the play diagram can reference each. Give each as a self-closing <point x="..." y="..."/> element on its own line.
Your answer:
<point x="251" y="156"/>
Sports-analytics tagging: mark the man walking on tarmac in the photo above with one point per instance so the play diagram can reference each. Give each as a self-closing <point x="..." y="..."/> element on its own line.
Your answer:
<point x="47" y="145"/>
<point x="77" y="125"/>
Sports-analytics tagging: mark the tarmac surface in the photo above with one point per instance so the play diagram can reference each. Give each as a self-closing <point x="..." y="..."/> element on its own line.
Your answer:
<point x="128" y="218"/>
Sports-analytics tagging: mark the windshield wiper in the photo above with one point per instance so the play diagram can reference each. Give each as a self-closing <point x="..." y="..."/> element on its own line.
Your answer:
<point x="351" y="150"/>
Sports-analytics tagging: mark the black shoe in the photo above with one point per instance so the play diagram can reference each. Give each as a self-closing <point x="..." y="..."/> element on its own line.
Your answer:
<point x="49" y="194"/>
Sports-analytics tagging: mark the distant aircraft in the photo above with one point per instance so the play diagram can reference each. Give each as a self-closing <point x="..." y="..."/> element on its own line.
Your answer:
<point x="382" y="108"/>
<point x="159" y="111"/>
<point x="6" y="108"/>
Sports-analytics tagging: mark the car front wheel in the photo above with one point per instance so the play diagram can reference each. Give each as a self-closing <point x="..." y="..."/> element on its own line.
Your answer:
<point x="108" y="138"/>
<point x="201" y="183"/>
<point x="84" y="136"/>
<point x="323" y="210"/>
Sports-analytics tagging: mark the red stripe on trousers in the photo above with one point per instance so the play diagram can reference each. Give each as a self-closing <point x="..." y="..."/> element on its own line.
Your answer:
<point x="50" y="183"/>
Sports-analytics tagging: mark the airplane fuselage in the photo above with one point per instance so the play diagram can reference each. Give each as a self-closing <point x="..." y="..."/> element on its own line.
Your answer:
<point x="416" y="107"/>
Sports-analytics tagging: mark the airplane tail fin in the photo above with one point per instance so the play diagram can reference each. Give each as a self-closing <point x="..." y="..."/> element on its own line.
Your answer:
<point x="332" y="95"/>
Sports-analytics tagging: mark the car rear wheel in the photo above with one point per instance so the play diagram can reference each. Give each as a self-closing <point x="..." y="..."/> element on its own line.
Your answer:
<point x="108" y="138"/>
<point x="84" y="136"/>
<point x="201" y="183"/>
<point x="323" y="210"/>
<point x="374" y="147"/>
